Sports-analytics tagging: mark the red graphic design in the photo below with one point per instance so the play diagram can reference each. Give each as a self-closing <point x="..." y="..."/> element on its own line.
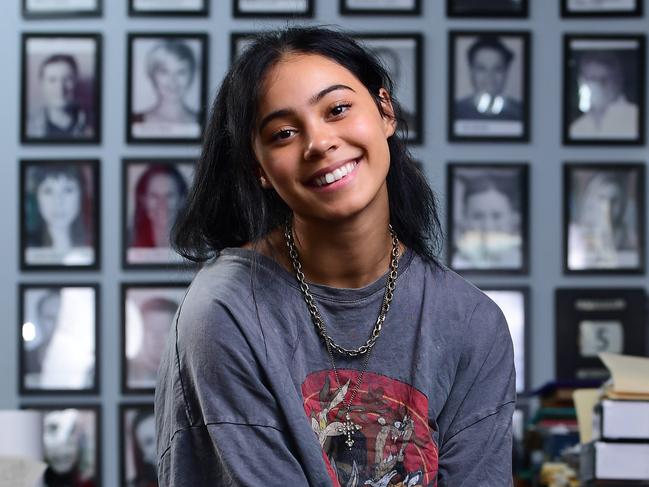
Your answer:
<point x="391" y="441"/>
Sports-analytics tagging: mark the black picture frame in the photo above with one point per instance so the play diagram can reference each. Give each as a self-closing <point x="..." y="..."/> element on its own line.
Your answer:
<point x="85" y="90"/>
<point x="620" y="239"/>
<point x="607" y="53"/>
<point x="159" y="132"/>
<point x="34" y="226"/>
<point x="140" y="250"/>
<point x="127" y="463"/>
<point x="402" y="42"/>
<point x="53" y="13"/>
<point x="29" y="333"/>
<point x="346" y="9"/>
<point x="164" y="299"/>
<point x="238" y="42"/>
<point x="593" y="320"/>
<point x="239" y="11"/>
<point x="93" y="409"/>
<point x="498" y="295"/>
<point x="570" y="12"/>
<point x="477" y="9"/>
<point x="510" y="118"/>
<point x="513" y="176"/>
<point x="136" y="11"/>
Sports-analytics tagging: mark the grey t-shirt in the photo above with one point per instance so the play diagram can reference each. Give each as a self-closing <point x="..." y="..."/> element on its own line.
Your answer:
<point x="247" y="396"/>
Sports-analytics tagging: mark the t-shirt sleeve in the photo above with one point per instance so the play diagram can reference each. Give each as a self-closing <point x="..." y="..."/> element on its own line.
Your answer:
<point x="234" y="432"/>
<point x="476" y="423"/>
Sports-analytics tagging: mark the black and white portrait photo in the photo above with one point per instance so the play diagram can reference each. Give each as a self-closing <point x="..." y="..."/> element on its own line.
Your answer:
<point x="148" y="311"/>
<point x="57" y="8"/>
<point x="380" y="7"/>
<point x="601" y="8"/>
<point x="59" y="214"/>
<point x="58" y="330"/>
<point x="273" y="8"/>
<point x="71" y="440"/>
<point x="154" y="191"/>
<point x="486" y="8"/>
<point x="513" y="303"/>
<point x="138" y="446"/>
<point x="604" y="217"/>
<point x="166" y="87"/>
<point x="168" y="7"/>
<point x="489" y="83"/>
<point x="604" y="89"/>
<point x="487" y="211"/>
<point x="401" y="54"/>
<point x="61" y="79"/>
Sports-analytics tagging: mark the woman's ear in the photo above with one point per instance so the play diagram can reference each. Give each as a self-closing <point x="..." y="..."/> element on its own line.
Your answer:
<point x="263" y="179"/>
<point x="389" y="120"/>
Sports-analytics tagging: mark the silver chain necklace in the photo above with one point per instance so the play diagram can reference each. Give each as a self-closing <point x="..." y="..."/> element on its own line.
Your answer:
<point x="348" y="427"/>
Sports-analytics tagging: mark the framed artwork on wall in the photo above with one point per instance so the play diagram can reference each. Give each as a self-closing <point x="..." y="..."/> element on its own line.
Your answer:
<point x="60" y="88"/>
<point x="166" y="87"/>
<point x="489" y="86"/>
<point x="71" y="443"/>
<point x="491" y="8"/>
<point x="604" y="89"/>
<point x="594" y="320"/>
<point x="59" y="214"/>
<point x="58" y="338"/>
<point x="272" y="8"/>
<point x="48" y="9"/>
<point x="239" y="41"/>
<point x="604" y="218"/>
<point x="138" y="458"/>
<point x="488" y="217"/>
<point x="153" y="193"/>
<point x="168" y="8"/>
<point x="380" y="7"/>
<point x="148" y="310"/>
<point x="601" y="8"/>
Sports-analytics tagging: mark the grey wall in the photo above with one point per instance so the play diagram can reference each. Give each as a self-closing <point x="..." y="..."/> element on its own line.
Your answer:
<point x="544" y="153"/>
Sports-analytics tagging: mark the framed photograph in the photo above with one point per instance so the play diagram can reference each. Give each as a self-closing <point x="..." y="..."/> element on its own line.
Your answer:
<point x="239" y="41"/>
<point x="604" y="89"/>
<point x="168" y="8"/>
<point x="402" y="55"/>
<point x="153" y="193"/>
<point x="148" y="311"/>
<point x="59" y="214"/>
<point x="71" y="444"/>
<point x="514" y="303"/>
<point x="489" y="86"/>
<point x="166" y="87"/>
<point x="491" y="8"/>
<point x="58" y="338"/>
<point x="272" y="8"/>
<point x="139" y="461"/>
<point x="604" y="218"/>
<point x="488" y="230"/>
<point x="47" y="9"/>
<point x="60" y="88"/>
<point x="380" y="7"/>
<point x="601" y="8"/>
<point x="594" y="320"/>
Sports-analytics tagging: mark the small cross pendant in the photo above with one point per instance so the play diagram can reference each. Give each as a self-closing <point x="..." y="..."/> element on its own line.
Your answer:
<point x="349" y="428"/>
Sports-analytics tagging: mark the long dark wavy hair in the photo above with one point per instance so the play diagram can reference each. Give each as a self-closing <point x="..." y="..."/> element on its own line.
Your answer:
<point x="227" y="207"/>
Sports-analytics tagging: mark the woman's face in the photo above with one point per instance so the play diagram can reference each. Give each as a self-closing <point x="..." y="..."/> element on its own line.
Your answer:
<point x="320" y="139"/>
<point x="145" y="437"/>
<point x="171" y="76"/>
<point x="161" y="199"/>
<point x="58" y="83"/>
<point x="59" y="199"/>
<point x="60" y="440"/>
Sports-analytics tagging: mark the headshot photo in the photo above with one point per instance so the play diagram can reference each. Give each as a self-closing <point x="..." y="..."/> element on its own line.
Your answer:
<point x="154" y="191"/>
<point x="60" y="88"/>
<point x="489" y="86"/>
<point x="380" y="7"/>
<point x="604" y="89"/>
<point x="168" y="7"/>
<point x="487" y="217"/>
<point x="138" y="448"/>
<point x="597" y="8"/>
<point x="274" y="8"/>
<point x="166" y="91"/>
<point x="148" y="312"/>
<point x="58" y="338"/>
<point x="401" y="55"/>
<point x="482" y="8"/>
<point x="58" y="9"/>
<point x="59" y="208"/>
<point x="604" y="206"/>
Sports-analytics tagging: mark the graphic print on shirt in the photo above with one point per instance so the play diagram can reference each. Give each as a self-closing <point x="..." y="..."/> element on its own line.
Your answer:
<point x="394" y="444"/>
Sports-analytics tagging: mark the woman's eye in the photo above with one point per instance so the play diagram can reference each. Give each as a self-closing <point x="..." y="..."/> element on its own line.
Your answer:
<point x="339" y="109"/>
<point x="282" y="134"/>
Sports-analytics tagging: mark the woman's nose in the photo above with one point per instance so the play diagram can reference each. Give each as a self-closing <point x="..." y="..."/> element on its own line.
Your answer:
<point x="320" y="138"/>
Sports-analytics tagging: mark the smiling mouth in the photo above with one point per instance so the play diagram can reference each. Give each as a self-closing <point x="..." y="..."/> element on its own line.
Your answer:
<point x="336" y="174"/>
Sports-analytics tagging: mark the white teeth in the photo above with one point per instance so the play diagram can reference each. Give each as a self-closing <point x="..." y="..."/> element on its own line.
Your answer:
<point x="336" y="175"/>
<point x="329" y="177"/>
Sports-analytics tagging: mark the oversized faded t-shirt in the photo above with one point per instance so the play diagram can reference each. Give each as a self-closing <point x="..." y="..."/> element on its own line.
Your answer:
<point x="246" y="393"/>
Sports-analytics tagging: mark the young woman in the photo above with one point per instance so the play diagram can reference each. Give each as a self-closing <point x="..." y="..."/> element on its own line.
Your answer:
<point x="324" y="345"/>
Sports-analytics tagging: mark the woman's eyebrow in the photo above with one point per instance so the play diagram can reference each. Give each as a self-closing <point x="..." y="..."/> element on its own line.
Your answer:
<point x="283" y="112"/>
